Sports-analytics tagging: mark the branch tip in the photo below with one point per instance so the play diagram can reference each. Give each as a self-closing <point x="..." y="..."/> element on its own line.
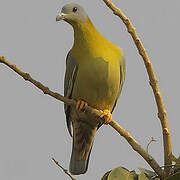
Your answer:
<point x="65" y="170"/>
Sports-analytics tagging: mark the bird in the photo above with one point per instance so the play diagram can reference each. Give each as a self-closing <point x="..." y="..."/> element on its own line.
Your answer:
<point x="95" y="74"/>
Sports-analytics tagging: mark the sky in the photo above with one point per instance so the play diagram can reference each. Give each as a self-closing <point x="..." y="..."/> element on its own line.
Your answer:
<point x="33" y="128"/>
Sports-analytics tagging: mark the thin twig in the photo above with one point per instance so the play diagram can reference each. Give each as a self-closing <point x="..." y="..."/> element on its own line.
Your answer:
<point x="65" y="170"/>
<point x="152" y="80"/>
<point x="92" y="112"/>
<point x="152" y="140"/>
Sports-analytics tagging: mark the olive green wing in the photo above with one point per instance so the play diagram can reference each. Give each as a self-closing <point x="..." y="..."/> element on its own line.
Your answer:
<point x="122" y="79"/>
<point x="70" y="77"/>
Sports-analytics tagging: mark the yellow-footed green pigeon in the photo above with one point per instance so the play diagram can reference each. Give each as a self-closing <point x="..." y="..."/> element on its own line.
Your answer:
<point x="95" y="73"/>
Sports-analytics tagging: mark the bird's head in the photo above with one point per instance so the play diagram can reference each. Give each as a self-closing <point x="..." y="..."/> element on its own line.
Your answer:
<point x="73" y="14"/>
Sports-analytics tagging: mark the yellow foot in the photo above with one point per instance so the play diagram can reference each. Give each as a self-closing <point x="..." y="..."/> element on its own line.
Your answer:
<point x="106" y="114"/>
<point x="80" y="105"/>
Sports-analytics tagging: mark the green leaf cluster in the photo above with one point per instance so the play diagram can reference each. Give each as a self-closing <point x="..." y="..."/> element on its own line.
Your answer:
<point x="121" y="173"/>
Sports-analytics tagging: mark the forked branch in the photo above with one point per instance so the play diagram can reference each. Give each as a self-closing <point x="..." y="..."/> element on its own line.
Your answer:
<point x="153" y="82"/>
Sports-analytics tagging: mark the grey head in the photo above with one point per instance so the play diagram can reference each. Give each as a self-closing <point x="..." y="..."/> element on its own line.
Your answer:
<point x="72" y="13"/>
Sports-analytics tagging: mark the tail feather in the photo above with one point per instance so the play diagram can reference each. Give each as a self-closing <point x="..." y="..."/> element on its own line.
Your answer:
<point x="78" y="167"/>
<point x="83" y="137"/>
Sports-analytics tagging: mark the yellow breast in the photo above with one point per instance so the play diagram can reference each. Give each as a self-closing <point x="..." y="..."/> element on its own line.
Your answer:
<point x="98" y="76"/>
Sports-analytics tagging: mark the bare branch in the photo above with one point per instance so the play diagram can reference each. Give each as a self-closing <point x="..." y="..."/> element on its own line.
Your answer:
<point x="92" y="112"/>
<point x="65" y="170"/>
<point x="152" y="140"/>
<point x="136" y="146"/>
<point x="153" y="82"/>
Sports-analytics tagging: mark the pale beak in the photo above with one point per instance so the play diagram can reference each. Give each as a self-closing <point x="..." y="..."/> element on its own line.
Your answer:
<point x="60" y="17"/>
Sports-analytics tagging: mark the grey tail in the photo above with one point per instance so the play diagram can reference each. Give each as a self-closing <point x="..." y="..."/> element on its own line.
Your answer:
<point x="83" y="137"/>
<point x="78" y="167"/>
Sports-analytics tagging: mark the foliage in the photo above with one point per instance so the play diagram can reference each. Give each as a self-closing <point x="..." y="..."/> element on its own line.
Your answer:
<point x="121" y="173"/>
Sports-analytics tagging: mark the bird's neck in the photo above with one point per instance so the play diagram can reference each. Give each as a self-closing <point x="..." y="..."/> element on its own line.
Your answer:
<point x="86" y="38"/>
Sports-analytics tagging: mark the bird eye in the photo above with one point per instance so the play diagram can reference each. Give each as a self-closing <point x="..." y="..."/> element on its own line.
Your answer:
<point x="74" y="9"/>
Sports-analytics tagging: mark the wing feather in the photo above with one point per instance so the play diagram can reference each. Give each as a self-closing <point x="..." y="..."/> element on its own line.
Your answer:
<point x="70" y="77"/>
<point x="122" y="78"/>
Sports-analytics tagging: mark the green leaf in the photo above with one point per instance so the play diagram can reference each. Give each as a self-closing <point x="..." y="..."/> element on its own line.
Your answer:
<point x="144" y="176"/>
<point x="118" y="173"/>
<point x="149" y="173"/>
<point x="133" y="176"/>
<point x="105" y="175"/>
<point x="122" y="173"/>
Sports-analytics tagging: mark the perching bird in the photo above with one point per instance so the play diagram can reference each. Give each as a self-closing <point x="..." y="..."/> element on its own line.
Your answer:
<point x="95" y="73"/>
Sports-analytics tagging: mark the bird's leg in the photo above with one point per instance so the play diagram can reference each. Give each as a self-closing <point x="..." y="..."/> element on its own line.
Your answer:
<point x="80" y="105"/>
<point x="106" y="114"/>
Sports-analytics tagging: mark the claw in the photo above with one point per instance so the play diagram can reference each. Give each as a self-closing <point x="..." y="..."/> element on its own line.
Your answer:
<point x="106" y="114"/>
<point x="80" y="105"/>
